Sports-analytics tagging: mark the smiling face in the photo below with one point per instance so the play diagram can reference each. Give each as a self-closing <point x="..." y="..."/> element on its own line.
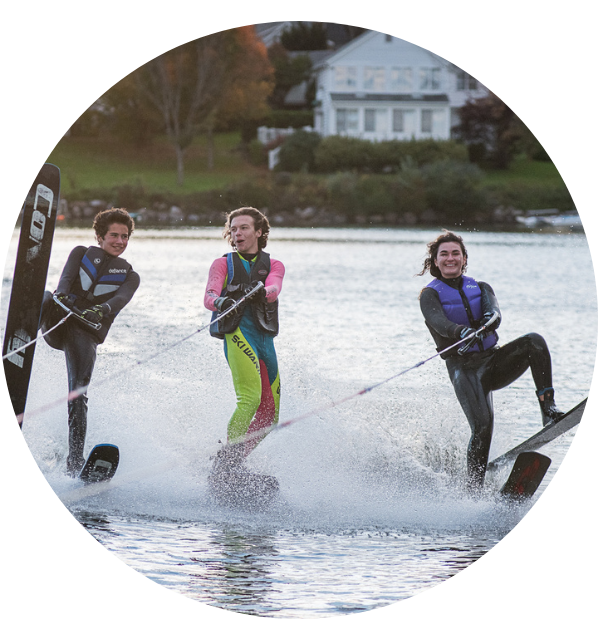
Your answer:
<point x="450" y="260"/>
<point x="116" y="239"/>
<point x="243" y="234"/>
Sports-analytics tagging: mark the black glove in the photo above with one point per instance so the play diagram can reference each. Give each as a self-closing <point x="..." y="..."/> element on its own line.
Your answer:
<point x="466" y="332"/>
<point x="224" y="304"/>
<point x="486" y="321"/>
<point x="67" y="299"/>
<point x="94" y="315"/>
<point x="260" y="293"/>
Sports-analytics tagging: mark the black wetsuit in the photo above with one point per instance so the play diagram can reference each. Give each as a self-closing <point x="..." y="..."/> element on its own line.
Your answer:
<point x="79" y="343"/>
<point x="475" y="375"/>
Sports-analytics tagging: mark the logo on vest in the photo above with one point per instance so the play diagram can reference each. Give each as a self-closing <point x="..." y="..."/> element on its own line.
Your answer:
<point x="97" y="260"/>
<point x="262" y="272"/>
<point x="117" y="271"/>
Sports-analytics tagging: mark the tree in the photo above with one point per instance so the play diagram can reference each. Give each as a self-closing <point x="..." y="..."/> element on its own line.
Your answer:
<point x="187" y="85"/>
<point x="131" y="117"/>
<point x="305" y="36"/>
<point x="493" y="132"/>
<point x="289" y="71"/>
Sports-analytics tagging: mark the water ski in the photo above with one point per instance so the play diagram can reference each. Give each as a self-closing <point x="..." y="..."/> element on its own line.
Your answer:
<point x="233" y="485"/>
<point x="27" y="293"/>
<point x="101" y="464"/>
<point x="554" y="430"/>
<point x="243" y="489"/>
<point x="525" y="477"/>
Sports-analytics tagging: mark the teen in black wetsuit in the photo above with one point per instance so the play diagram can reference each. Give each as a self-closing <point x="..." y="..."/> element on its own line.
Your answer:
<point x="454" y="306"/>
<point x="97" y="281"/>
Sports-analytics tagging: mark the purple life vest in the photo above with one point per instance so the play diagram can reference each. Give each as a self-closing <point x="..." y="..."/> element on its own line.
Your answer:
<point x="455" y="310"/>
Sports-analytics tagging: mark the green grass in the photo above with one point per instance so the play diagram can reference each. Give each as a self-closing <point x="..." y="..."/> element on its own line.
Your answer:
<point x="525" y="172"/>
<point x="88" y="163"/>
<point x="100" y="163"/>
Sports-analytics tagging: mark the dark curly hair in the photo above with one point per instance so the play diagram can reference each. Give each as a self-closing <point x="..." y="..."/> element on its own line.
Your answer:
<point x="429" y="262"/>
<point x="259" y="222"/>
<point x="104" y="219"/>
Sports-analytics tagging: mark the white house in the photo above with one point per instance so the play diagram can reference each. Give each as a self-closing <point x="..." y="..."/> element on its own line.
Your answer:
<point x="379" y="87"/>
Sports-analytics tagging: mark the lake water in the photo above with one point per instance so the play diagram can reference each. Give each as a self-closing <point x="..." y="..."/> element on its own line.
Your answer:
<point x="371" y="508"/>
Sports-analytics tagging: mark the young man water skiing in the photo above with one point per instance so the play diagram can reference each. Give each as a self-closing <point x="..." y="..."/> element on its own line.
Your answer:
<point x="97" y="282"/>
<point x="248" y="332"/>
<point x="454" y="306"/>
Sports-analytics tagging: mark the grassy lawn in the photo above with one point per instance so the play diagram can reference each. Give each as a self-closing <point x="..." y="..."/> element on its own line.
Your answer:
<point x="88" y="163"/>
<point x="103" y="162"/>
<point x="525" y="172"/>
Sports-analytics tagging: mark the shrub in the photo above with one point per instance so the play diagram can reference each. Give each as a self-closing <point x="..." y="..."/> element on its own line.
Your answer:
<point x="257" y="154"/>
<point x="339" y="153"/>
<point x="409" y="189"/>
<point x="297" y="152"/>
<point x="341" y="188"/>
<point x="453" y="189"/>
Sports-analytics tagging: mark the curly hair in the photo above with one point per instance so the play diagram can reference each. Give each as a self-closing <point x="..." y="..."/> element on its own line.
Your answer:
<point x="260" y="222"/>
<point x="104" y="219"/>
<point x="430" y="261"/>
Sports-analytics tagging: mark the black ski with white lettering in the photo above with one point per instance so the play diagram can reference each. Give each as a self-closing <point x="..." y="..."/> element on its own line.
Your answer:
<point x="548" y="434"/>
<point x="101" y="464"/>
<point x="525" y="477"/>
<point x="29" y="281"/>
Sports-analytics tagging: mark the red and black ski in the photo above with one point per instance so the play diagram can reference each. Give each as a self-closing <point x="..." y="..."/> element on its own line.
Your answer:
<point x="29" y="281"/>
<point x="527" y="473"/>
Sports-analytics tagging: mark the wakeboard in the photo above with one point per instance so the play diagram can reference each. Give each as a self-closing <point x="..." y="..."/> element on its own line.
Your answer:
<point x="528" y="471"/>
<point x="31" y="268"/>
<point x="554" y="430"/>
<point x="243" y="489"/>
<point x="101" y="464"/>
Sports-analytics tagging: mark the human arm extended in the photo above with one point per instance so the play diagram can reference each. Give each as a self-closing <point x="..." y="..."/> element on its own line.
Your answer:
<point x="489" y="306"/>
<point x="435" y="317"/>
<point x="215" y="284"/>
<point x="273" y="284"/>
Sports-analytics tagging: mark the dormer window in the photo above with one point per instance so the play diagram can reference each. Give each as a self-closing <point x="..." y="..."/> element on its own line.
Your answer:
<point x="401" y="79"/>
<point x="429" y="79"/>
<point x="374" y="79"/>
<point x="465" y="82"/>
<point x="345" y="78"/>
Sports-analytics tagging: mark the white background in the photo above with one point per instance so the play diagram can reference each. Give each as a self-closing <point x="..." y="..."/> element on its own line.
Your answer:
<point x="57" y="58"/>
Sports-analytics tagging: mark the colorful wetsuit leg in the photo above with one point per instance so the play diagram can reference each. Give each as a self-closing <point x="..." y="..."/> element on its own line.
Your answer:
<point x="474" y="379"/>
<point x="252" y="360"/>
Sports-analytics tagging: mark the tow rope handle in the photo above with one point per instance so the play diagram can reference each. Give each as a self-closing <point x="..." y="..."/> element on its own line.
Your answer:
<point x="77" y="313"/>
<point x="471" y="341"/>
<point x="240" y="301"/>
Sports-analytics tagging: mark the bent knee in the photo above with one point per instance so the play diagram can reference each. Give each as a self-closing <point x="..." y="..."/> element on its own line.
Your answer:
<point x="536" y="341"/>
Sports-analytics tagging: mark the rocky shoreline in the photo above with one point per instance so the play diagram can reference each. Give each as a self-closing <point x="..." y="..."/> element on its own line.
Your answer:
<point x="79" y="212"/>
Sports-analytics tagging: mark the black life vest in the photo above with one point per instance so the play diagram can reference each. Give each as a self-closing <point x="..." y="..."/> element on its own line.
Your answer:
<point x="100" y="276"/>
<point x="264" y="314"/>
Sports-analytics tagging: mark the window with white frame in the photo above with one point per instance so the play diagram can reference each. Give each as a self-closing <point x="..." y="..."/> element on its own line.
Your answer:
<point x="433" y="121"/>
<point x="347" y="120"/>
<point x="374" y="79"/>
<point x="401" y="79"/>
<point x="375" y="121"/>
<point x="429" y="79"/>
<point x="403" y="121"/>
<point x="466" y="82"/>
<point x="345" y="78"/>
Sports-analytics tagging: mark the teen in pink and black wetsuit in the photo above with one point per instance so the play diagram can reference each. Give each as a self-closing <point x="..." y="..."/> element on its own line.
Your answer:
<point x="248" y="332"/>
<point x="454" y="306"/>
